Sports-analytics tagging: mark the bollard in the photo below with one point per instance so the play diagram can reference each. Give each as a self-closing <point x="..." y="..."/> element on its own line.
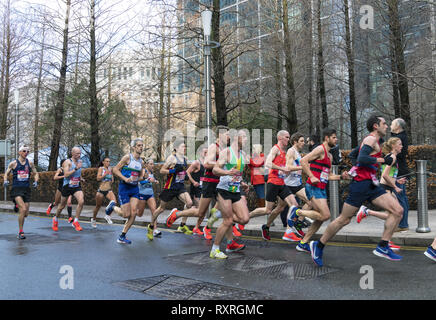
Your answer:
<point x="334" y="195"/>
<point x="421" y="184"/>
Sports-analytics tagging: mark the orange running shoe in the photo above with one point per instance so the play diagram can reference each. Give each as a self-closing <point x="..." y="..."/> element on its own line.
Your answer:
<point x="77" y="226"/>
<point x="292" y="237"/>
<point x="54" y="225"/>
<point x="70" y="219"/>
<point x="236" y="232"/>
<point x="207" y="233"/>
<point x="197" y="231"/>
<point x="233" y="247"/>
<point x="172" y="217"/>
<point x="393" y="246"/>
<point x="49" y="209"/>
<point x="241" y="227"/>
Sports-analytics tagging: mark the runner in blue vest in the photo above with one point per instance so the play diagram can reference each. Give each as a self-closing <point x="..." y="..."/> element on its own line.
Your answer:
<point x="129" y="170"/>
<point x="72" y="187"/>
<point x="21" y="170"/>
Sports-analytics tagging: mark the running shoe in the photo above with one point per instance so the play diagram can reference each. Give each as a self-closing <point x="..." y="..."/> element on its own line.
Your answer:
<point x="77" y="226"/>
<point x="157" y="233"/>
<point x="292" y="216"/>
<point x="387" y="253"/>
<point x="217" y="254"/>
<point x="430" y="253"/>
<point x="297" y="229"/>
<point x="362" y="214"/>
<point x="236" y="232"/>
<point x="291" y="237"/>
<point x="316" y="253"/>
<point x="393" y="246"/>
<point x="123" y="239"/>
<point x="70" y="219"/>
<point x="265" y="232"/>
<point x="213" y="218"/>
<point x="110" y="207"/>
<point x="50" y="206"/>
<point x="172" y="217"/>
<point x="303" y="247"/>
<point x="241" y="227"/>
<point x="197" y="231"/>
<point x="149" y="233"/>
<point x="21" y="236"/>
<point x="93" y="223"/>
<point x="234" y="246"/>
<point x="207" y="233"/>
<point x="108" y="219"/>
<point x="54" y="224"/>
<point x="184" y="230"/>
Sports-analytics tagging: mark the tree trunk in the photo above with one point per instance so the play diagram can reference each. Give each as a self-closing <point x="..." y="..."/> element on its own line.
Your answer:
<point x="94" y="119"/>
<point x="290" y="88"/>
<point x="278" y="85"/>
<point x="309" y="60"/>
<point x="322" y="92"/>
<point x="218" y="68"/>
<point x="403" y="88"/>
<point x="59" y="108"/>
<point x="6" y="64"/>
<point x="352" y="92"/>
<point x="38" y="92"/>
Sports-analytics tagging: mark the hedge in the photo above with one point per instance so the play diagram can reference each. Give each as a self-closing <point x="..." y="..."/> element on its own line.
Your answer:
<point x="47" y="186"/>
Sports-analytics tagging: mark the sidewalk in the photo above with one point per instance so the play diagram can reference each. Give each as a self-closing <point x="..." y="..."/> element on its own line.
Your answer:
<point x="368" y="231"/>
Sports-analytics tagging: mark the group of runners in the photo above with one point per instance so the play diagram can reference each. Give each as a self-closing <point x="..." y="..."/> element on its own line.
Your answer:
<point x="217" y="176"/>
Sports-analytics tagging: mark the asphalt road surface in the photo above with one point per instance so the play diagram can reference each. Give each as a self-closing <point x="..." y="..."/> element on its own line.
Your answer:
<point x="91" y="265"/>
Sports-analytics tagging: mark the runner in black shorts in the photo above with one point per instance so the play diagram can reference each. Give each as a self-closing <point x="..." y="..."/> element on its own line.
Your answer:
<point x="175" y="168"/>
<point x="21" y="168"/>
<point x="363" y="189"/>
<point x="59" y="176"/>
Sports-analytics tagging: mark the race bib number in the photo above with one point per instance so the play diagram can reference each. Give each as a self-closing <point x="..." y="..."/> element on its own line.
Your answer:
<point x="74" y="182"/>
<point x="324" y="177"/>
<point x="180" y="177"/>
<point x="23" y="175"/>
<point x="235" y="183"/>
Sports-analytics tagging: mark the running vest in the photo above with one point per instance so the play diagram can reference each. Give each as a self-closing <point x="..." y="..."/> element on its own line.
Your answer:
<point x="198" y="176"/>
<point x="208" y="174"/>
<point x="277" y="176"/>
<point x="73" y="181"/>
<point x="61" y="181"/>
<point x="145" y="186"/>
<point x="364" y="172"/>
<point x="132" y="170"/>
<point x="233" y="183"/>
<point x="176" y="180"/>
<point x="294" y="179"/>
<point x="21" y="174"/>
<point x="108" y="177"/>
<point x="321" y="170"/>
<point x="394" y="169"/>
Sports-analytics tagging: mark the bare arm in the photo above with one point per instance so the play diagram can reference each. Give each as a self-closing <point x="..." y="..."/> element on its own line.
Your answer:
<point x="290" y="158"/>
<point x="34" y="171"/>
<point x="190" y="170"/>
<point x="117" y="169"/>
<point x="100" y="174"/>
<point x="210" y="160"/>
<point x="11" y="167"/>
<point x="169" y="164"/>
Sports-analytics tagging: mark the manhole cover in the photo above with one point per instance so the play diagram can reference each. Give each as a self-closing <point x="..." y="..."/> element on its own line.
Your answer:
<point x="180" y="288"/>
<point x="257" y="266"/>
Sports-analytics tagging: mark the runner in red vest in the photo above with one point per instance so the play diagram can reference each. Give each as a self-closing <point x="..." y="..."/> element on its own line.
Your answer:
<point x="316" y="165"/>
<point x="363" y="189"/>
<point x="276" y="187"/>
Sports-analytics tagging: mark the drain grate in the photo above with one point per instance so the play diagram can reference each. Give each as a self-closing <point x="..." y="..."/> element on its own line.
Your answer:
<point x="180" y="288"/>
<point x="277" y="269"/>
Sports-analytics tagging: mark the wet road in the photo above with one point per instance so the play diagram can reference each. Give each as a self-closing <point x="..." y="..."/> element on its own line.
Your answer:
<point x="92" y="265"/>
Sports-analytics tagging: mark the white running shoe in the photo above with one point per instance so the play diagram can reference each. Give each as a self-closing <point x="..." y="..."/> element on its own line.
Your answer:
<point x="93" y="223"/>
<point x="217" y="254"/>
<point x="108" y="218"/>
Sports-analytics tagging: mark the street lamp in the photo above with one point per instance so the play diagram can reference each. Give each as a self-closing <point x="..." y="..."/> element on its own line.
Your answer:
<point x="206" y="19"/>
